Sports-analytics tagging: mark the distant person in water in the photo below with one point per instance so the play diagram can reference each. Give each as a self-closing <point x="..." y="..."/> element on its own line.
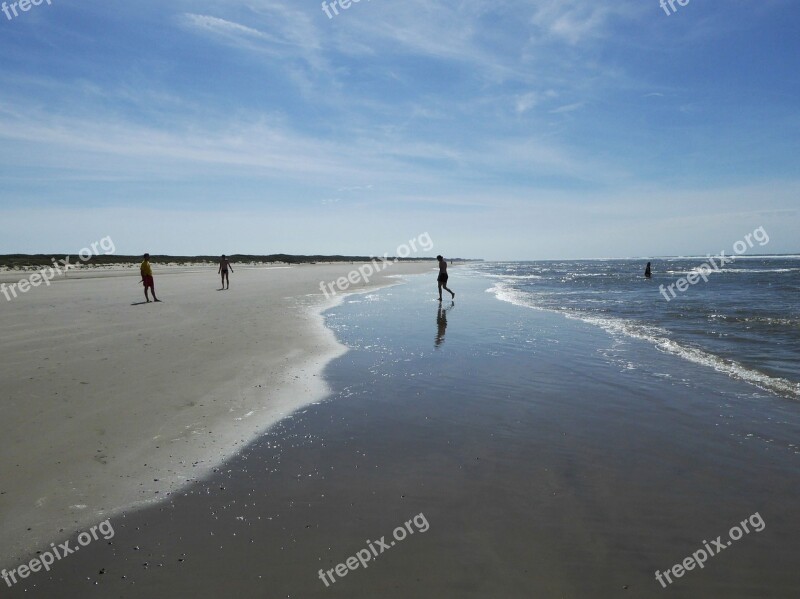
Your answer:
<point x="442" y="280"/>
<point x="224" y="265"/>
<point x="147" y="278"/>
<point x="647" y="271"/>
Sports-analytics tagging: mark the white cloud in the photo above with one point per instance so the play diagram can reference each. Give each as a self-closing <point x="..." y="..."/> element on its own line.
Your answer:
<point x="222" y="27"/>
<point x="526" y="101"/>
<point x="576" y="21"/>
<point x="568" y="108"/>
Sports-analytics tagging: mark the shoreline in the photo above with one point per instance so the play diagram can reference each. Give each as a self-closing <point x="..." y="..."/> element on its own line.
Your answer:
<point x="129" y="429"/>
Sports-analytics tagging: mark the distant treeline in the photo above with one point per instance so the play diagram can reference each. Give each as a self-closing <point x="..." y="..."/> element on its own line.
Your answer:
<point x="36" y="260"/>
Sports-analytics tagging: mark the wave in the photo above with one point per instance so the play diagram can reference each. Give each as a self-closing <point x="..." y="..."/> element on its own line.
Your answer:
<point x="745" y="271"/>
<point x="764" y="320"/>
<point x="660" y="339"/>
<point x="514" y="277"/>
<point x="737" y="256"/>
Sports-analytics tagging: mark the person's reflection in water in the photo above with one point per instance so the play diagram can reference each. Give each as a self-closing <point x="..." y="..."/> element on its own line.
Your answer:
<point x="441" y="323"/>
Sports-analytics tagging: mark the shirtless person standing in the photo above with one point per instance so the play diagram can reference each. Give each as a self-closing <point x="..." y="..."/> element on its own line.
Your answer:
<point x="224" y="265"/>
<point x="442" y="280"/>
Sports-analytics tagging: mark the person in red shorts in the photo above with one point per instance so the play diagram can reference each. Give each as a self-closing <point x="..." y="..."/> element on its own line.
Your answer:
<point x="147" y="278"/>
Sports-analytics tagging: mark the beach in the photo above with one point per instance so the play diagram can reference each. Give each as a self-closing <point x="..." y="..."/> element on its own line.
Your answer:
<point x="544" y="460"/>
<point x="514" y="303"/>
<point x="110" y="402"/>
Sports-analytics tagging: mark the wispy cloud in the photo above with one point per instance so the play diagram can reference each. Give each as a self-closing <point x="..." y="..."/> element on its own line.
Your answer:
<point x="356" y="188"/>
<point x="568" y="108"/>
<point x="576" y="21"/>
<point x="226" y="29"/>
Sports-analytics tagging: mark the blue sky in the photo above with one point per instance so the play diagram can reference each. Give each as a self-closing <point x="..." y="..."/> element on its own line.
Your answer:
<point x="507" y="130"/>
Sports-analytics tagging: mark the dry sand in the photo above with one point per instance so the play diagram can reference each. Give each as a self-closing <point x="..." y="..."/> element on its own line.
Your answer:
<point x="109" y="402"/>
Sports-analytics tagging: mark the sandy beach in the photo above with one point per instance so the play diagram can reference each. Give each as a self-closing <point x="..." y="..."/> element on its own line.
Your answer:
<point x="110" y="403"/>
<point x="544" y="456"/>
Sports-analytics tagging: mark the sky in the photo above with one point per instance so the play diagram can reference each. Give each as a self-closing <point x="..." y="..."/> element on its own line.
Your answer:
<point x="506" y="130"/>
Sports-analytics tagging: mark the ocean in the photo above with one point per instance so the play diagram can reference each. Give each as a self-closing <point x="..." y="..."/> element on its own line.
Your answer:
<point x="743" y="321"/>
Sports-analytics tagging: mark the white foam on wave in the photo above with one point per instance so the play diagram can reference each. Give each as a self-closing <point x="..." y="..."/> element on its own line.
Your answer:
<point x="737" y="256"/>
<point x="514" y="277"/>
<point x="765" y="320"/>
<point x="659" y="337"/>
<point x="744" y="271"/>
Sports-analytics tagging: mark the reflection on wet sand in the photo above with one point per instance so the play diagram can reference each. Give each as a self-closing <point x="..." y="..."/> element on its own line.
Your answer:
<point x="441" y="323"/>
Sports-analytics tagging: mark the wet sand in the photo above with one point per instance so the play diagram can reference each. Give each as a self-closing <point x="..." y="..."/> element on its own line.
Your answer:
<point x="109" y="402"/>
<point x="545" y="465"/>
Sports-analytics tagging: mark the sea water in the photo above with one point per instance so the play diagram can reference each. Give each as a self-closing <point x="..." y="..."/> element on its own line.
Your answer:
<point x="743" y="321"/>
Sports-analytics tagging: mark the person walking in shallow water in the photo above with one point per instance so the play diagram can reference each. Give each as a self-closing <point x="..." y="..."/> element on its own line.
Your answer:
<point x="224" y="265"/>
<point x="443" y="276"/>
<point x="647" y="272"/>
<point x="147" y="278"/>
